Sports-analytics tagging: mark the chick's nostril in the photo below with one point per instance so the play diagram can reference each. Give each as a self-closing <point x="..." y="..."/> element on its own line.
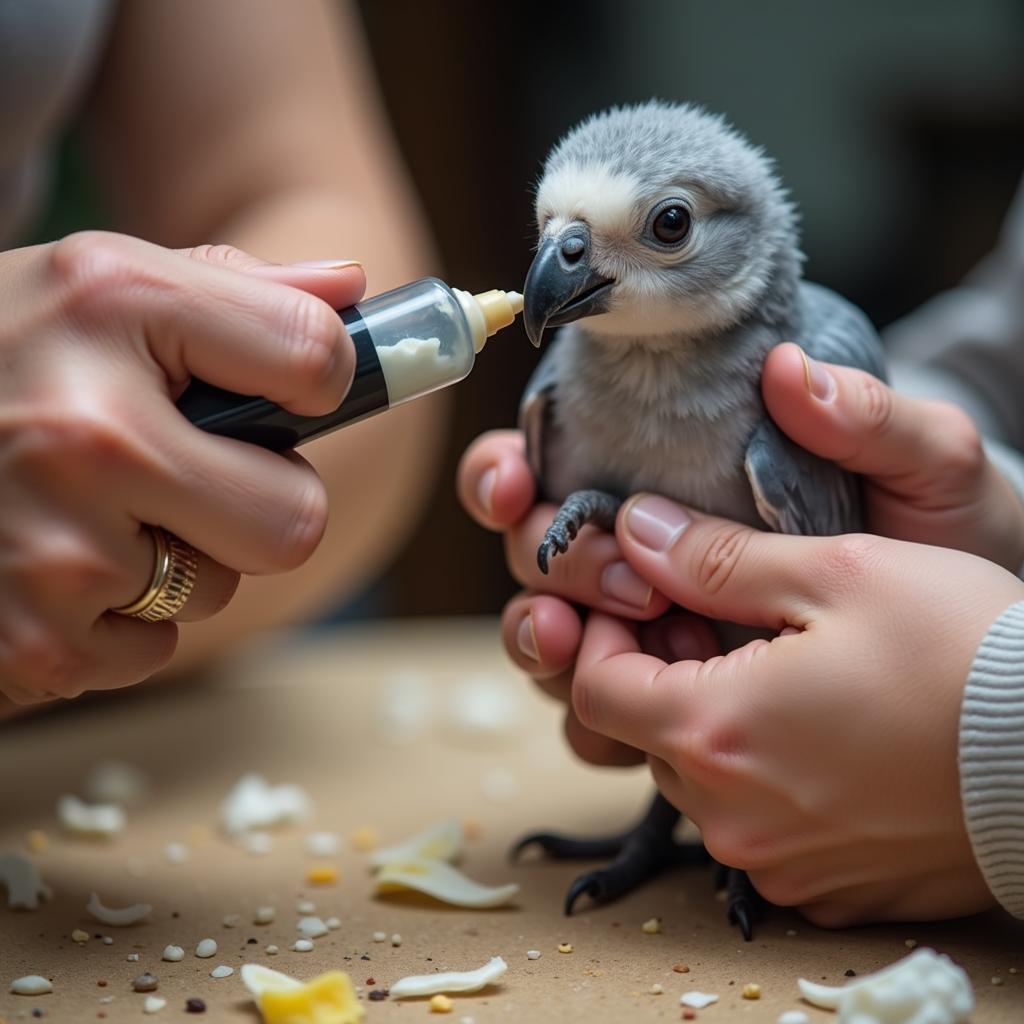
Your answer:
<point x="573" y="249"/>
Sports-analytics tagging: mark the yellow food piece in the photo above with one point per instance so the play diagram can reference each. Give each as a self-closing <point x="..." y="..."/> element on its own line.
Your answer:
<point x="79" y="936"/>
<point x="327" y="999"/>
<point x="651" y="927"/>
<point x="365" y="838"/>
<point x="751" y="991"/>
<point x="565" y="947"/>
<point x="322" y="874"/>
<point x="37" y="840"/>
<point x="440" y="1003"/>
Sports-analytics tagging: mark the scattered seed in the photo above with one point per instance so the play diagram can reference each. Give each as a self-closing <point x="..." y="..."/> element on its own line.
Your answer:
<point x="132" y="958"/>
<point x="689" y="1013"/>
<point x="272" y="950"/>
<point x="657" y="989"/>
<point x="153" y="1004"/>
<point x="377" y="995"/>
<point x="173" y="954"/>
<point x="380" y="936"/>
<point x="232" y="920"/>
<point x="396" y="940"/>
<point x="102" y="983"/>
<point x="251" y="942"/>
<point x="652" y="926"/>
<point x="997" y="981"/>
<point x="322" y="874"/>
<point x="264" y="915"/>
<point x="145" y="983"/>
<point x="37" y="840"/>
<point x="533" y="954"/>
<point x="371" y="981"/>
<point x="681" y="968"/>
<point x="79" y="936"/>
<point x="440" y="1003"/>
<point x="1013" y="970"/>
<point x="223" y="971"/>
<point x="793" y="1017"/>
<point x="698" y="1000"/>
<point x="364" y="957"/>
<point x="306" y="907"/>
<point x="36" y="1012"/>
<point x="910" y="943"/>
<point x="364" y="839"/>
<point x="565" y="947"/>
<point x="311" y="927"/>
<point x="849" y="973"/>
<point x="107" y="940"/>
<point x="751" y="990"/>
<point x="206" y="948"/>
<point x="333" y="923"/>
<point x="302" y="945"/>
<point x="31" y="985"/>
<point x="194" y="1005"/>
<point x="107" y="999"/>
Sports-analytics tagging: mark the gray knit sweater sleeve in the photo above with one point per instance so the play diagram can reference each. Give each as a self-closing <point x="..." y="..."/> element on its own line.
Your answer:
<point x="992" y="758"/>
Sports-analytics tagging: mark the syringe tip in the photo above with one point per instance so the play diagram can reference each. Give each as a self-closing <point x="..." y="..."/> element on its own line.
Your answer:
<point x="516" y="301"/>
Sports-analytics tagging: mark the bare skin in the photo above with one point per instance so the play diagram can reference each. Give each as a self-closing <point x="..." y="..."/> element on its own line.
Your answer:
<point x="893" y="624"/>
<point x="254" y="124"/>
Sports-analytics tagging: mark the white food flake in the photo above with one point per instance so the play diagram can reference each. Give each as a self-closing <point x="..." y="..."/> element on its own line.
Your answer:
<point x="116" y="782"/>
<point x="231" y="920"/>
<point x="107" y="940"/>
<point x="176" y="853"/>
<point x="259" y="979"/>
<point x="333" y="923"/>
<point x="117" y="917"/>
<point x="311" y="927"/>
<point x="657" y="989"/>
<point x="445" y="883"/>
<point x="272" y="950"/>
<point x="173" y="954"/>
<point x="697" y="1000"/>
<point x="793" y="1017"/>
<point x="923" y="987"/>
<point x="439" y="842"/>
<point x="322" y="844"/>
<point x="153" y="1004"/>
<point x="396" y="940"/>
<point x="380" y="936"/>
<point x="306" y="907"/>
<point x="254" y="804"/>
<point x="103" y="820"/>
<point x="302" y="945"/>
<point x="449" y="981"/>
<point x="206" y="948"/>
<point x="264" y="915"/>
<point x="25" y="887"/>
<point x="651" y="926"/>
<point x="533" y="954"/>
<point x="222" y="971"/>
<point x="413" y="365"/>
<point x="133" y="958"/>
<point x="31" y="985"/>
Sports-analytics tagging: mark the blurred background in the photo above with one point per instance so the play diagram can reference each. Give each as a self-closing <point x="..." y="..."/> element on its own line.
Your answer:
<point x="899" y="129"/>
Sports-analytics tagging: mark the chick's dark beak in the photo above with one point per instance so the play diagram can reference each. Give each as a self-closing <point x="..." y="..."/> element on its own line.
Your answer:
<point x="561" y="286"/>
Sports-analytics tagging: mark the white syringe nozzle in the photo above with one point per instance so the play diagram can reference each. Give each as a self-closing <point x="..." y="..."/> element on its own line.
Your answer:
<point x="488" y="312"/>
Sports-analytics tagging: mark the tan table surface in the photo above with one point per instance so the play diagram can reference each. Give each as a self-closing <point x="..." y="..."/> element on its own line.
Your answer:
<point x="304" y="711"/>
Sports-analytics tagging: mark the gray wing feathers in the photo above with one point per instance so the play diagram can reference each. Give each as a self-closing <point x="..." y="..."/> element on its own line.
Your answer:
<point x="535" y="407"/>
<point x="795" y="491"/>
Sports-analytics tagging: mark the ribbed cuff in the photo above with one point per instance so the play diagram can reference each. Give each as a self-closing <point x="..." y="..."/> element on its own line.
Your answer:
<point x="992" y="758"/>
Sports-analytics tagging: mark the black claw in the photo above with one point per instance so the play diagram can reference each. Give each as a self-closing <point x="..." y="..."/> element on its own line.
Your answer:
<point x="585" y="885"/>
<point x="542" y="558"/>
<point x="741" y="913"/>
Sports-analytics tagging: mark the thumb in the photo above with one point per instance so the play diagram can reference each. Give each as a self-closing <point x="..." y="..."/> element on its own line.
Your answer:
<point x="339" y="282"/>
<point x="722" y="569"/>
<point x="856" y="420"/>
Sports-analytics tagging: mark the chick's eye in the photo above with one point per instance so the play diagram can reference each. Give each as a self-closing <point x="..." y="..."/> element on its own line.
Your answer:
<point x="672" y="225"/>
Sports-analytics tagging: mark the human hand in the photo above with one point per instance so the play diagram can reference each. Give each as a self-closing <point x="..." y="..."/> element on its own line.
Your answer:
<point x="824" y="761"/>
<point x="926" y="475"/>
<point x="100" y="334"/>
<point x="541" y="628"/>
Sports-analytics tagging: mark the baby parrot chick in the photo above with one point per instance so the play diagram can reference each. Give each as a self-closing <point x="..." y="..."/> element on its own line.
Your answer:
<point x="669" y="261"/>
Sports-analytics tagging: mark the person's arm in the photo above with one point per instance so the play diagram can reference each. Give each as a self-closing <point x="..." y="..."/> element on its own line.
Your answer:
<point x="257" y="123"/>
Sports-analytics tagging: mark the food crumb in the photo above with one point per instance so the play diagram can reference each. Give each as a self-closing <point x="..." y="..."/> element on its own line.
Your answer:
<point x="306" y="907"/>
<point x="380" y="936"/>
<point x="145" y="982"/>
<point x="533" y="954"/>
<point x="302" y="945"/>
<point x="173" y="954"/>
<point x="689" y="1013"/>
<point x="396" y="940"/>
<point x="272" y="950"/>
<point x="997" y="981"/>
<point x="849" y="973"/>
<point x="102" y="983"/>
<point x="333" y="923"/>
<point x="652" y="926"/>
<point x="132" y="958"/>
<point x="565" y="947"/>
<point x="153" y="1004"/>
<point x="231" y="920"/>
<point x="681" y="968"/>
<point x="751" y="990"/>
<point x="251" y="942"/>
<point x="377" y="995"/>
<point x="107" y="940"/>
<point x="206" y="948"/>
<point x="79" y="936"/>
<point x="656" y="989"/>
<point x="263" y="915"/>
<point x="440" y="1003"/>
<point x="793" y="1017"/>
<point x="195" y="1005"/>
<point x="37" y="840"/>
<point x="364" y="839"/>
<point x="322" y="874"/>
<point x="1013" y="970"/>
<point x="222" y="971"/>
<point x="910" y="943"/>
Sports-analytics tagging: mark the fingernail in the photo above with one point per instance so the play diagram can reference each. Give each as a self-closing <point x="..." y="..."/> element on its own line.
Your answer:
<point x="526" y="638"/>
<point x="339" y="264"/>
<point x="819" y="382"/>
<point x="485" y="489"/>
<point x="620" y="583"/>
<point x="655" y="522"/>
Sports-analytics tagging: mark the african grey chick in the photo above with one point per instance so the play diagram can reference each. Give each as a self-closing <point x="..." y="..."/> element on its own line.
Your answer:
<point x="669" y="250"/>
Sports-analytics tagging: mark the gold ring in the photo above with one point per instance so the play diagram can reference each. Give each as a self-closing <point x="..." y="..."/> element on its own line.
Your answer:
<point x="174" y="576"/>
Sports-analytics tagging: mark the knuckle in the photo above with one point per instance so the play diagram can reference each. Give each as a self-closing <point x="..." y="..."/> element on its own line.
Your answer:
<point x="95" y="270"/>
<point x="849" y="561"/>
<point x="74" y="440"/>
<point x="719" y="556"/>
<point x="316" y="337"/>
<point x="963" y="454"/>
<point x="305" y="526"/>
<point x="876" y="404"/>
<point x="218" y="253"/>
